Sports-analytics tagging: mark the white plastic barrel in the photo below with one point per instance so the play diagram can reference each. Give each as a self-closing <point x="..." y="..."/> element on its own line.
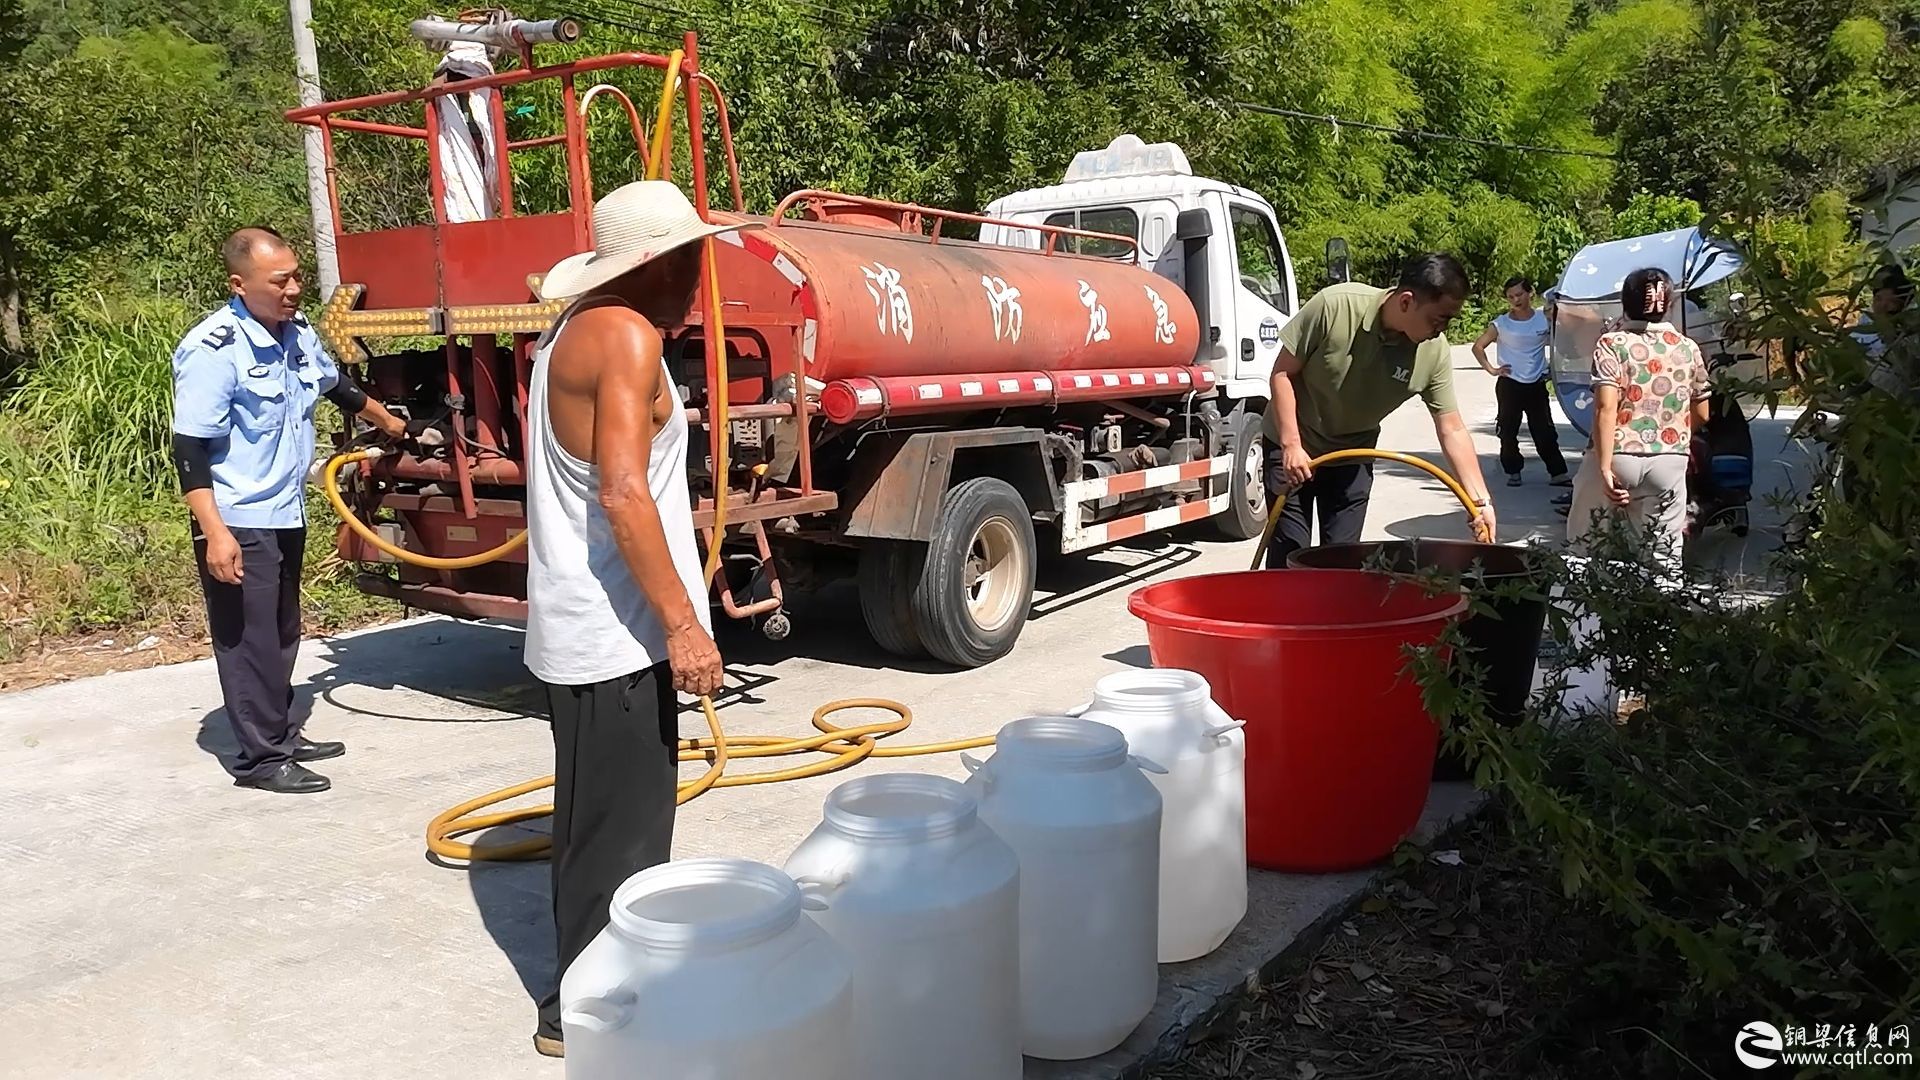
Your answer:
<point x="708" y="970"/>
<point x="1085" y="823"/>
<point x="1169" y="717"/>
<point x="924" y="899"/>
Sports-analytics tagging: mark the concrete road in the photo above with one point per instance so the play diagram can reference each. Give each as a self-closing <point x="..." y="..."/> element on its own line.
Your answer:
<point x="162" y="923"/>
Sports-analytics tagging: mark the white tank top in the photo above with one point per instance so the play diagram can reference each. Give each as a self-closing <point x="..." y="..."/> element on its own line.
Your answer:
<point x="587" y="620"/>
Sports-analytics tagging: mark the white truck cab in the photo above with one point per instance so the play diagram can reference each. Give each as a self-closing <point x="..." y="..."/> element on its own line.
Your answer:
<point x="1220" y="243"/>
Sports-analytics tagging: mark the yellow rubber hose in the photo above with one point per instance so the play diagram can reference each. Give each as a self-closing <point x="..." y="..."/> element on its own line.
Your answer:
<point x="716" y="339"/>
<point x="330" y="483"/>
<point x="1466" y="500"/>
<point x="663" y="123"/>
<point x="840" y="747"/>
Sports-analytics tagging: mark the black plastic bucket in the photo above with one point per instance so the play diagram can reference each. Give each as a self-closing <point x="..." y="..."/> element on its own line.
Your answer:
<point x="1503" y="641"/>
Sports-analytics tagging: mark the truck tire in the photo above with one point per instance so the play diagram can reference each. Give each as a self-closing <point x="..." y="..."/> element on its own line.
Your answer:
<point x="1246" y="513"/>
<point x="976" y="584"/>
<point x="888" y="571"/>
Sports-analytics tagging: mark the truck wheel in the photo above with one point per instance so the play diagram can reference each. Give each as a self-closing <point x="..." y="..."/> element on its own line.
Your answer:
<point x="1246" y="513"/>
<point x="888" y="570"/>
<point x="976" y="586"/>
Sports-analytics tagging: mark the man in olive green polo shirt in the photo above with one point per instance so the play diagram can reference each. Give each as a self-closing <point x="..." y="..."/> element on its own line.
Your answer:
<point x="1351" y="356"/>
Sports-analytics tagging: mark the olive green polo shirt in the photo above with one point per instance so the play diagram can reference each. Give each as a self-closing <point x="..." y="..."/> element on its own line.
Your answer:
<point x="1354" y="371"/>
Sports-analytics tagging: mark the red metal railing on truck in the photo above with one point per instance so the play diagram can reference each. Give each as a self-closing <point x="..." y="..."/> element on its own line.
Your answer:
<point x="483" y="264"/>
<point x="1051" y="233"/>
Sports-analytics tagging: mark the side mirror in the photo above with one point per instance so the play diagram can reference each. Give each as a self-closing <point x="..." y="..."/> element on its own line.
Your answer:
<point x="1193" y="225"/>
<point x="1339" y="265"/>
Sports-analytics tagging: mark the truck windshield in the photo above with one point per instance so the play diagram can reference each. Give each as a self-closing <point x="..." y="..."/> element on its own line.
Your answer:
<point x="1120" y="220"/>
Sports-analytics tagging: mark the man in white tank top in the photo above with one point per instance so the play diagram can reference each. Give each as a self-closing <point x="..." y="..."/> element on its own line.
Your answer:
<point x="1521" y="391"/>
<point x="617" y="617"/>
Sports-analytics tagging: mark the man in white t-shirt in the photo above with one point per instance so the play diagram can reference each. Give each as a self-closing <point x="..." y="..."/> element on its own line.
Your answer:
<point x="1522" y="332"/>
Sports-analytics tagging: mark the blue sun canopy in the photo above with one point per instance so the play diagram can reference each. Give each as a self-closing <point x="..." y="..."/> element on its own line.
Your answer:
<point x="1692" y="259"/>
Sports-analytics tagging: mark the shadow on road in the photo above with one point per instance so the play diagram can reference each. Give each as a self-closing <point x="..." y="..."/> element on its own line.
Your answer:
<point x="216" y="731"/>
<point x="476" y="664"/>
<point x="515" y="901"/>
<point x="828" y="626"/>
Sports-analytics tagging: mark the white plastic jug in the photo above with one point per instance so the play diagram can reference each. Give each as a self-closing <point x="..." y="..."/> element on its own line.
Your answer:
<point x="1169" y="717"/>
<point x="924" y="899"/>
<point x="1085" y="823"/>
<point x="708" y="970"/>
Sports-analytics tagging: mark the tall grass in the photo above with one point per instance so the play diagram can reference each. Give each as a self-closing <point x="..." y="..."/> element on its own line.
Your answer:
<point x="93" y="533"/>
<point x="99" y="400"/>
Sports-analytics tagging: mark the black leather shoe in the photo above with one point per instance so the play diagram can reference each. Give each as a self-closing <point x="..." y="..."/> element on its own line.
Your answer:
<point x="290" y="778"/>
<point x="308" y="750"/>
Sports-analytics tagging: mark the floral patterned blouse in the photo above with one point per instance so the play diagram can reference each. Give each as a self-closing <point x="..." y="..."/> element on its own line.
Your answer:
<point x="1660" y="373"/>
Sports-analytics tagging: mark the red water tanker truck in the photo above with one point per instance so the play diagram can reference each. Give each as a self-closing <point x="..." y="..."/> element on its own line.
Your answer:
<point x="919" y="411"/>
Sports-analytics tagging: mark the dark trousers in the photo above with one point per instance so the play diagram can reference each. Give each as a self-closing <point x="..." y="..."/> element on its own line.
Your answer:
<point x="1517" y="399"/>
<point x="615" y="768"/>
<point x="1337" y="493"/>
<point x="256" y="637"/>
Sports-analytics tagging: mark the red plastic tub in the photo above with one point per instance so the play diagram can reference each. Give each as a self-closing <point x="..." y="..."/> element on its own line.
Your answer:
<point x="1339" y="747"/>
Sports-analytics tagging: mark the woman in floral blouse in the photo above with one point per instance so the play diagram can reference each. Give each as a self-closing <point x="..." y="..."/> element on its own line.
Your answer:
<point x="1650" y="389"/>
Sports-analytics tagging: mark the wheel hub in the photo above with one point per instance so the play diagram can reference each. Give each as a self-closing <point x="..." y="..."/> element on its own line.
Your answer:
<point x="994" y="574"/>
<point x="1252" y="477"/>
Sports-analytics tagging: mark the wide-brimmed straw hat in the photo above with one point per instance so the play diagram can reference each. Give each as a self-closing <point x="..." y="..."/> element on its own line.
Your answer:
<point x="631" y="226"/>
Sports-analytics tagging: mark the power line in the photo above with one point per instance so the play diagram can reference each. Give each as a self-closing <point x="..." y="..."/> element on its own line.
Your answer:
<point x="1338" y="123"/>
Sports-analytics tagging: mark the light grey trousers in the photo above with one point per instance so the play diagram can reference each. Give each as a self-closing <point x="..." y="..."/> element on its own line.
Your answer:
<point x="1657" y="484"/>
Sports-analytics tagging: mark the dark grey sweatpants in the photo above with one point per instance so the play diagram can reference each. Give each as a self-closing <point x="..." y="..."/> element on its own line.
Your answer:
<point x="256" y="637"/>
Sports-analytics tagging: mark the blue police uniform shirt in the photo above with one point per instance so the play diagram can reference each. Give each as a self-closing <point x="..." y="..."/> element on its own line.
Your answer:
<point x="253" y="394"/>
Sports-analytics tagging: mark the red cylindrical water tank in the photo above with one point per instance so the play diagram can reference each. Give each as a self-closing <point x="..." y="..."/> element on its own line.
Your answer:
<point x="883" y="303"/>
<point x="1339" y="744"/>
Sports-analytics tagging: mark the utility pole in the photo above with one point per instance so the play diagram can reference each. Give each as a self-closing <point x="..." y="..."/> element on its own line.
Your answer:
<point x="307" y="68"/>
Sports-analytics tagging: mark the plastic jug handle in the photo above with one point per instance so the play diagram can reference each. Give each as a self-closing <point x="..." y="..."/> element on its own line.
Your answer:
<point x="814" y="889"/>
<point x="599" y="1015"/>
<point x="1077" y="711"/>
<point x="1221" y="729"/>
<point x="978" y="768"/>
<point x="1147" y="764"/>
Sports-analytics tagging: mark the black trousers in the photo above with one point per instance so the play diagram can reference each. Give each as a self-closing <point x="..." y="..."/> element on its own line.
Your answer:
<point x="615" y="767"/>
<point x="256" y="637"/>
<point x="1338" y="493"/>
<point x="1517" y="399"/>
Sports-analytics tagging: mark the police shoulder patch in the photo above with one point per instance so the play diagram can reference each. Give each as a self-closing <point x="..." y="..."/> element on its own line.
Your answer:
<point x="221" y="337"/>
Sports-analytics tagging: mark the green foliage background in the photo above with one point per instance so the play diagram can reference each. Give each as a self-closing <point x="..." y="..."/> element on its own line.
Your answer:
<point x="134" y="133"/>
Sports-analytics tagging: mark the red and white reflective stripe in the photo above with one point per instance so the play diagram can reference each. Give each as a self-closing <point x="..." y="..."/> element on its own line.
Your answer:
<point x="866" y="398"/>
<point x="1159" y="476"/>
<point x="1166" y="517"/>
<point x="1075" y="536"/>
<point x="764" y="250"/>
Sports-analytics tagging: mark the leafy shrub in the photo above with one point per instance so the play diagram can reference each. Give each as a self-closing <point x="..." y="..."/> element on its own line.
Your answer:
<point x="1755" y="827"/>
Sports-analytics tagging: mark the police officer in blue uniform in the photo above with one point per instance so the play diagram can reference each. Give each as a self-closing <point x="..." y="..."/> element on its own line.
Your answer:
<point x="246" y="381"/>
